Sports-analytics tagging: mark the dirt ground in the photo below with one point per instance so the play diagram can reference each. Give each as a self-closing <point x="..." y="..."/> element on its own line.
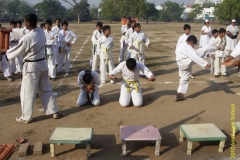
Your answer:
<point x="208" y="101"/>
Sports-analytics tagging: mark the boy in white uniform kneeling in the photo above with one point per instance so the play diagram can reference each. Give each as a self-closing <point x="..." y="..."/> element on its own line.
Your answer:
<point x="88" y="81"/>
<point x="130" y="88"/>
<point x="185" y="57"/>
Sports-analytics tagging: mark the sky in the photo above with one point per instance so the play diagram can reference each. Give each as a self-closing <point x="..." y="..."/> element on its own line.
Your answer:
<point x="96" y="2"/>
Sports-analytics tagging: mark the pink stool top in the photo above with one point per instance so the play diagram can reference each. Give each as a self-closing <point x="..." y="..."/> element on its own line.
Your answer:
<point x="142" y="133"/>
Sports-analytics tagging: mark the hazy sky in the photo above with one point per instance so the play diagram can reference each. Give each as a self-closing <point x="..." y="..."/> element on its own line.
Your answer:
<point x="96" y="2"/>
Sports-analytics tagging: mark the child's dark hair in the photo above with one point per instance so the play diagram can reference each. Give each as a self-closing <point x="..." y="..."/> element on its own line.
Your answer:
<point x="32" y="18"/>
<point x="129" y="19"/>
<point x="99" y="24"/>
<point x="131" y="63"/>
<point x="65" y="23"/>
<point x="49" y="22"/>
<point x="42" y="25"/>
<point x="87" y="78"/>
<point x="222" y="30"/>
<point x="214" y="31"/>
<point x="105" y="28"/>
<point x="13" y="22"/>
<point x="133" y="21"/>
<point x="19" y="22"/>
<point x="192" y="38"/>
<point x="186" y="26"/>
<point x="58" y="20"/>
<point x="137" y="25"/>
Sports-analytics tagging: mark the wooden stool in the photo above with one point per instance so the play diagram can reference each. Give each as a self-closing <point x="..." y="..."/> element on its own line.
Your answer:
<point x="71" y="136"/>
<point x="237" y="125"/>
<point x="201" y="132"/>
<point x="140" y="133"/>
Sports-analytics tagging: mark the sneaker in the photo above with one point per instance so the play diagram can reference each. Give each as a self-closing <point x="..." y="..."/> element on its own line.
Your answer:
<point x="191" y="76"/>
<point x="67" y="73"/>
<point x="217" y="76"/>
<point x="9" y="78"/>
<point x="112" y="81"/>
<point x="56" y="115"/>
<point x="103" y="82"/>
<point x="179" y="97"/>
<point x="20" y="120"/>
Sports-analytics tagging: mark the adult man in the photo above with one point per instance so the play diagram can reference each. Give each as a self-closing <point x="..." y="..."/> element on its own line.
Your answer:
<point x="35" y="69"/>
<point x="231" y="38"/>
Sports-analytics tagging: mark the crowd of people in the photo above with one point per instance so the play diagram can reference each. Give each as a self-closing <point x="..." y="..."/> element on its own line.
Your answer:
<point x="39" y="54"/>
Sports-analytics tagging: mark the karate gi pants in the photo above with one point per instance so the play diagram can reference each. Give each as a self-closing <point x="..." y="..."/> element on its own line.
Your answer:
<point x="33" y="82"/>
<point x="12" y="65"/>
<point x="94" y="62"/>
<point x="218" y="67"/>
<point x="19" y="63"/>
<point x="5" y="66"/>
<point x="185" y="71"/>
<point x="125" y="97"/>
<point x="211" y="61"/>
<point x="65" y="54"/>
<point x="51" y="66"/>
<point x="56" y="53"/>
<point x="82" y="99"/>
<point x="140" y="59"/>
<point x="103" y="68"/>
<point x="122" y="52"/>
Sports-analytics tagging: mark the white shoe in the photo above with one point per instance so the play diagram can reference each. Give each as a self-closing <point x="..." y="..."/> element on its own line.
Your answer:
<point x="112" y="81"/>
<point x="20" y="120"/>
<point x="238" y="93"/>
<point x="103" y="82"/>
<point x="67" y="73"/>
<point x="192" y="77"/>
<point x="56" y="115"/>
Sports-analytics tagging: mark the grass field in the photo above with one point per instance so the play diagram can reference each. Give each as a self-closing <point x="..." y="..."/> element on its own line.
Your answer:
<point x="208" y="101"/>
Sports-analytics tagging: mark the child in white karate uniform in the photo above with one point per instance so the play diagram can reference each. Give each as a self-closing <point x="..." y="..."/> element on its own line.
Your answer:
<point x="130" y="88"/>
<point x="136" y="43"/>
<point x="12" y="43"/>
<point x="66" y="38"/>
<point x="219" y="55"/>
<point x="49" y="49"/>
<point x="127" y="35"/>
<point x="183" y="38"/>
<point x="88" y="81"/>
<point x="104" y="50"/>
<point x="185" y="57"/>
<point x="95" y="36"/>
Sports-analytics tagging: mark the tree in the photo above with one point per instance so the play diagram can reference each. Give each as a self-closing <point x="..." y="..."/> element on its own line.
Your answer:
<point x="94" y="12"/>
<point x="150" y="12"/>
<point x="228" y="9"/>
<point x="49" y="9"/>
<point x="81" y="7"/>
<point x="171" y="11"/>
<point x="16" y="9"/>
<point x="196" y="10"/>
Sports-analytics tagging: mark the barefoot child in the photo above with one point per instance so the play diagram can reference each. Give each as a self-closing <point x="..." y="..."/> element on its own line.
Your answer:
<point x="66" y="38"/>
<point x="130" y="88"/>
<point x="88" y="81"/>
<point x="95" y="36"/>
<point x="185" y="57"/>
<point x="136" y="44"/>
<point x="104" y="50"/>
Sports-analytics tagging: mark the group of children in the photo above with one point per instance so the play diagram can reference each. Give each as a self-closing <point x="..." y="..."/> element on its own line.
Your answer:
<point x="133" y="41"/>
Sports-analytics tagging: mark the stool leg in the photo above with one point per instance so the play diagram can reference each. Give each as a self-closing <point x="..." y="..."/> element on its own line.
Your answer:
<point x="221" y="146"/>
<point x="189" y="149"/>
<point x="52" y="150"/>
<point x="181" y="136"/>
<point x="157" y="147"/>
<point x="124" y="148"/>
<point x="88" y="147"/>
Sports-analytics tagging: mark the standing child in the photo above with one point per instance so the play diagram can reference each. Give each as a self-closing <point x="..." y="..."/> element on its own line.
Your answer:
<point x="49" y="49"/>
<point x="212" y="56"/>
<point x="124" y="29"/>
<point x="95" y="36"/>
<point x="127" y="35"/>
<point x="88" y="81"/>
<point x="12" y="43"/>
<point x="185" y="57"/>
<point x="130" y="88"/>
<point x="104" y="50"/>
<point x="183" y="38"/>
<point x="66" y="38"/>
<point x="56" y="29"/>
<point x="19" y="59"/>
<point x="136" y="44"/>
<point x="219" y="55"/>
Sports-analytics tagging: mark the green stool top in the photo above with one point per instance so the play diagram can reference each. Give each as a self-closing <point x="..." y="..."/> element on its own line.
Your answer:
<point x="71" y="135"/>
<point x="237" y="125"/>
<point x="202" y="132"/>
